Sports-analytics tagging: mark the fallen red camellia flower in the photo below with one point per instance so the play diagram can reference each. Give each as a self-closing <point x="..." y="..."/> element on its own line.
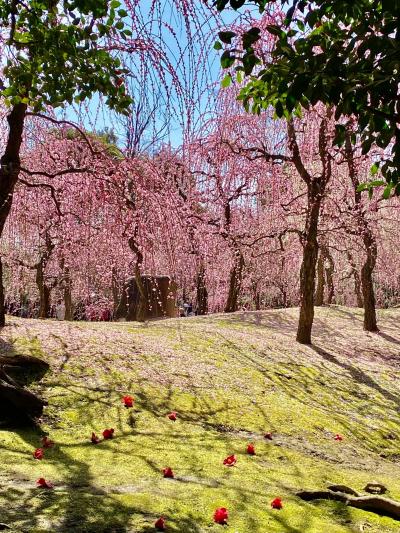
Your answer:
<point x="160" y="524"/>
<point x="276" y="503"/>
<point x="268" y="436"/>
<point x="47" y="443"/>
<point x="108" y="433"/>
<point x="250" y="449"/>
<point x="338" y="437"/>
<point x="128" y="401"/>
<point x="38" y="453"/>
<point x="94" y="438"/>
<point x="168" y="472"/>
<point x="221" y="515"/>
<point x="41" y="482"/>
<point x="172" y="416"/>
<point x="230" y="460"/>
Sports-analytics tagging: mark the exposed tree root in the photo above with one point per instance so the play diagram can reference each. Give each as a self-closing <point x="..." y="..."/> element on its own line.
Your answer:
<point x="349" y="496"/>
<point x="17" y="404"/>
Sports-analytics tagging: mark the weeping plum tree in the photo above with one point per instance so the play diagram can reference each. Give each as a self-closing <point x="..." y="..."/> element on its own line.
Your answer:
<point x="41" y="41"/>
<point x="54" y="53"/>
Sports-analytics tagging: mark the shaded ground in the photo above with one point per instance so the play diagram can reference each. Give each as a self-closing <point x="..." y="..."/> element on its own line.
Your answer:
<point x="231" y="379"/>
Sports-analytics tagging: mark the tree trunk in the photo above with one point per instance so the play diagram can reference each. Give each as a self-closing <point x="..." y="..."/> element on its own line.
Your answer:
<point x="370" y="322"/>
<point x="202" y="293"/>
<point x="329" y="270"/>
<point x="2" y="299"/>
<point x="69" y="310"/>
<point x="9" y="172"/>
<point x="316" y="186"/>
<point x="319" y="293"/>
<point x="308" y="266"/>
<point x="235" y="284"/>
<point x="256" y="294"/>
<point x="44" y="292"/>
<point x="357" y="280"/>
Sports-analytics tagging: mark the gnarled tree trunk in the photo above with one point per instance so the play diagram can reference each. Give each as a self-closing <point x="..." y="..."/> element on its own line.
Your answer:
<point x="319" y="293"/>
<point x="316" y="186"/>
<point x="235" y="283"/>
<point x="369" y="241"/>
<point x="308" y="266"/>
<point x="201" y="291"/>
<point x="10" y="165"/>
<point x="370" y="322"/>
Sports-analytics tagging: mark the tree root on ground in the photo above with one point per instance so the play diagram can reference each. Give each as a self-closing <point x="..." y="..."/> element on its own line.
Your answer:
<point x="349" y="496"/>
<point x="17" y="404"/>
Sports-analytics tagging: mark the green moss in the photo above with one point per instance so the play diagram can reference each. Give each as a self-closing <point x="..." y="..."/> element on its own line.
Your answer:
<point x="227" y="393"/>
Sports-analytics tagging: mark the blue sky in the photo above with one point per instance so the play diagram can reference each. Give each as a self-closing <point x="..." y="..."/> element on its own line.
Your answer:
<point x="197" y="69"/>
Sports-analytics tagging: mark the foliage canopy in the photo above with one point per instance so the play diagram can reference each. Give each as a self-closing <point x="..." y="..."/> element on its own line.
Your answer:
<point x="345" y="54"/>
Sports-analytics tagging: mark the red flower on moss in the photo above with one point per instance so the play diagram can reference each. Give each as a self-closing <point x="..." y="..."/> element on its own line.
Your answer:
<point x="338" y="437"/>
<point x="47" y="443"/>
<point x="38" y="453"/>
<point x="221" y="515"/>
<point x="41" y="482"/>
<point x="250" y="449"/>
<point x="160" y="524"/>
<point x="108" y="433"/>
<point x="128" y="401"/>
<point x="230" y="460"/>
<point x="276" y="503"/>
<point x="172" y="416"/>
<point x="168" y="472"/>
<point x="268" y="436"/>
<point x="94" y="438"/>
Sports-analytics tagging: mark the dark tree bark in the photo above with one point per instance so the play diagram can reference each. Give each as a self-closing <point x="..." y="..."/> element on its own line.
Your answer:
<point x="43" y="287"/>
<point x="369" y="241"/>
<point x="2" y="298"/>
<point x="308" y="266"/>
<point x="69" y="309"/>
<point x="17" y="404"/>
<point x="370" y="321"/>
<point x="256" y="295"/>
<point x="10" y="165"/>
<point x="329" y="270"/>
<point x="325" y="269"/>
<point x="316" y="186"/>
<point x="357" y="280"/>
<point x="319" y="293"/>
<point x="201" y="291"/>
<point x="235" y="283"/>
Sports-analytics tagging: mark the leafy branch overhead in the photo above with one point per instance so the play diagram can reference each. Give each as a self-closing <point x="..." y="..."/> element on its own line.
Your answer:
<point x="343" y="54"/>
<point x="57" y="52"/>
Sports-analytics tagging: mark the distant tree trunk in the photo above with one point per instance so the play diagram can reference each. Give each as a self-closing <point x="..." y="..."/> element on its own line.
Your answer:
<point x="357" y="280"/>
<point x="319" y="293"/>
<point x="2" y="299"/>
<point x="9" y="172"/>
<point x="115" y="291"/>
<point x="69" y="311"/>
<point x="44" y="292"/>
<point x="235" y="283"/>
<point x="369" y="241"/>
<point x="370" y="322"/>
<point x="43" y="287"/>
<point x="329" y="270"/>
<point x="201" y="291"/>
<point x="256" y="295"/>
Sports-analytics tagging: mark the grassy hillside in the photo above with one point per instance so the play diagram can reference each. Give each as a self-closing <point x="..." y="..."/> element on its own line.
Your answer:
<point x="230" y="379"/>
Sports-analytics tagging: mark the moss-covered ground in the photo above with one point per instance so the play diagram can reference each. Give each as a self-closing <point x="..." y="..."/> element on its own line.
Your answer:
<point x="231" y="379"/>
